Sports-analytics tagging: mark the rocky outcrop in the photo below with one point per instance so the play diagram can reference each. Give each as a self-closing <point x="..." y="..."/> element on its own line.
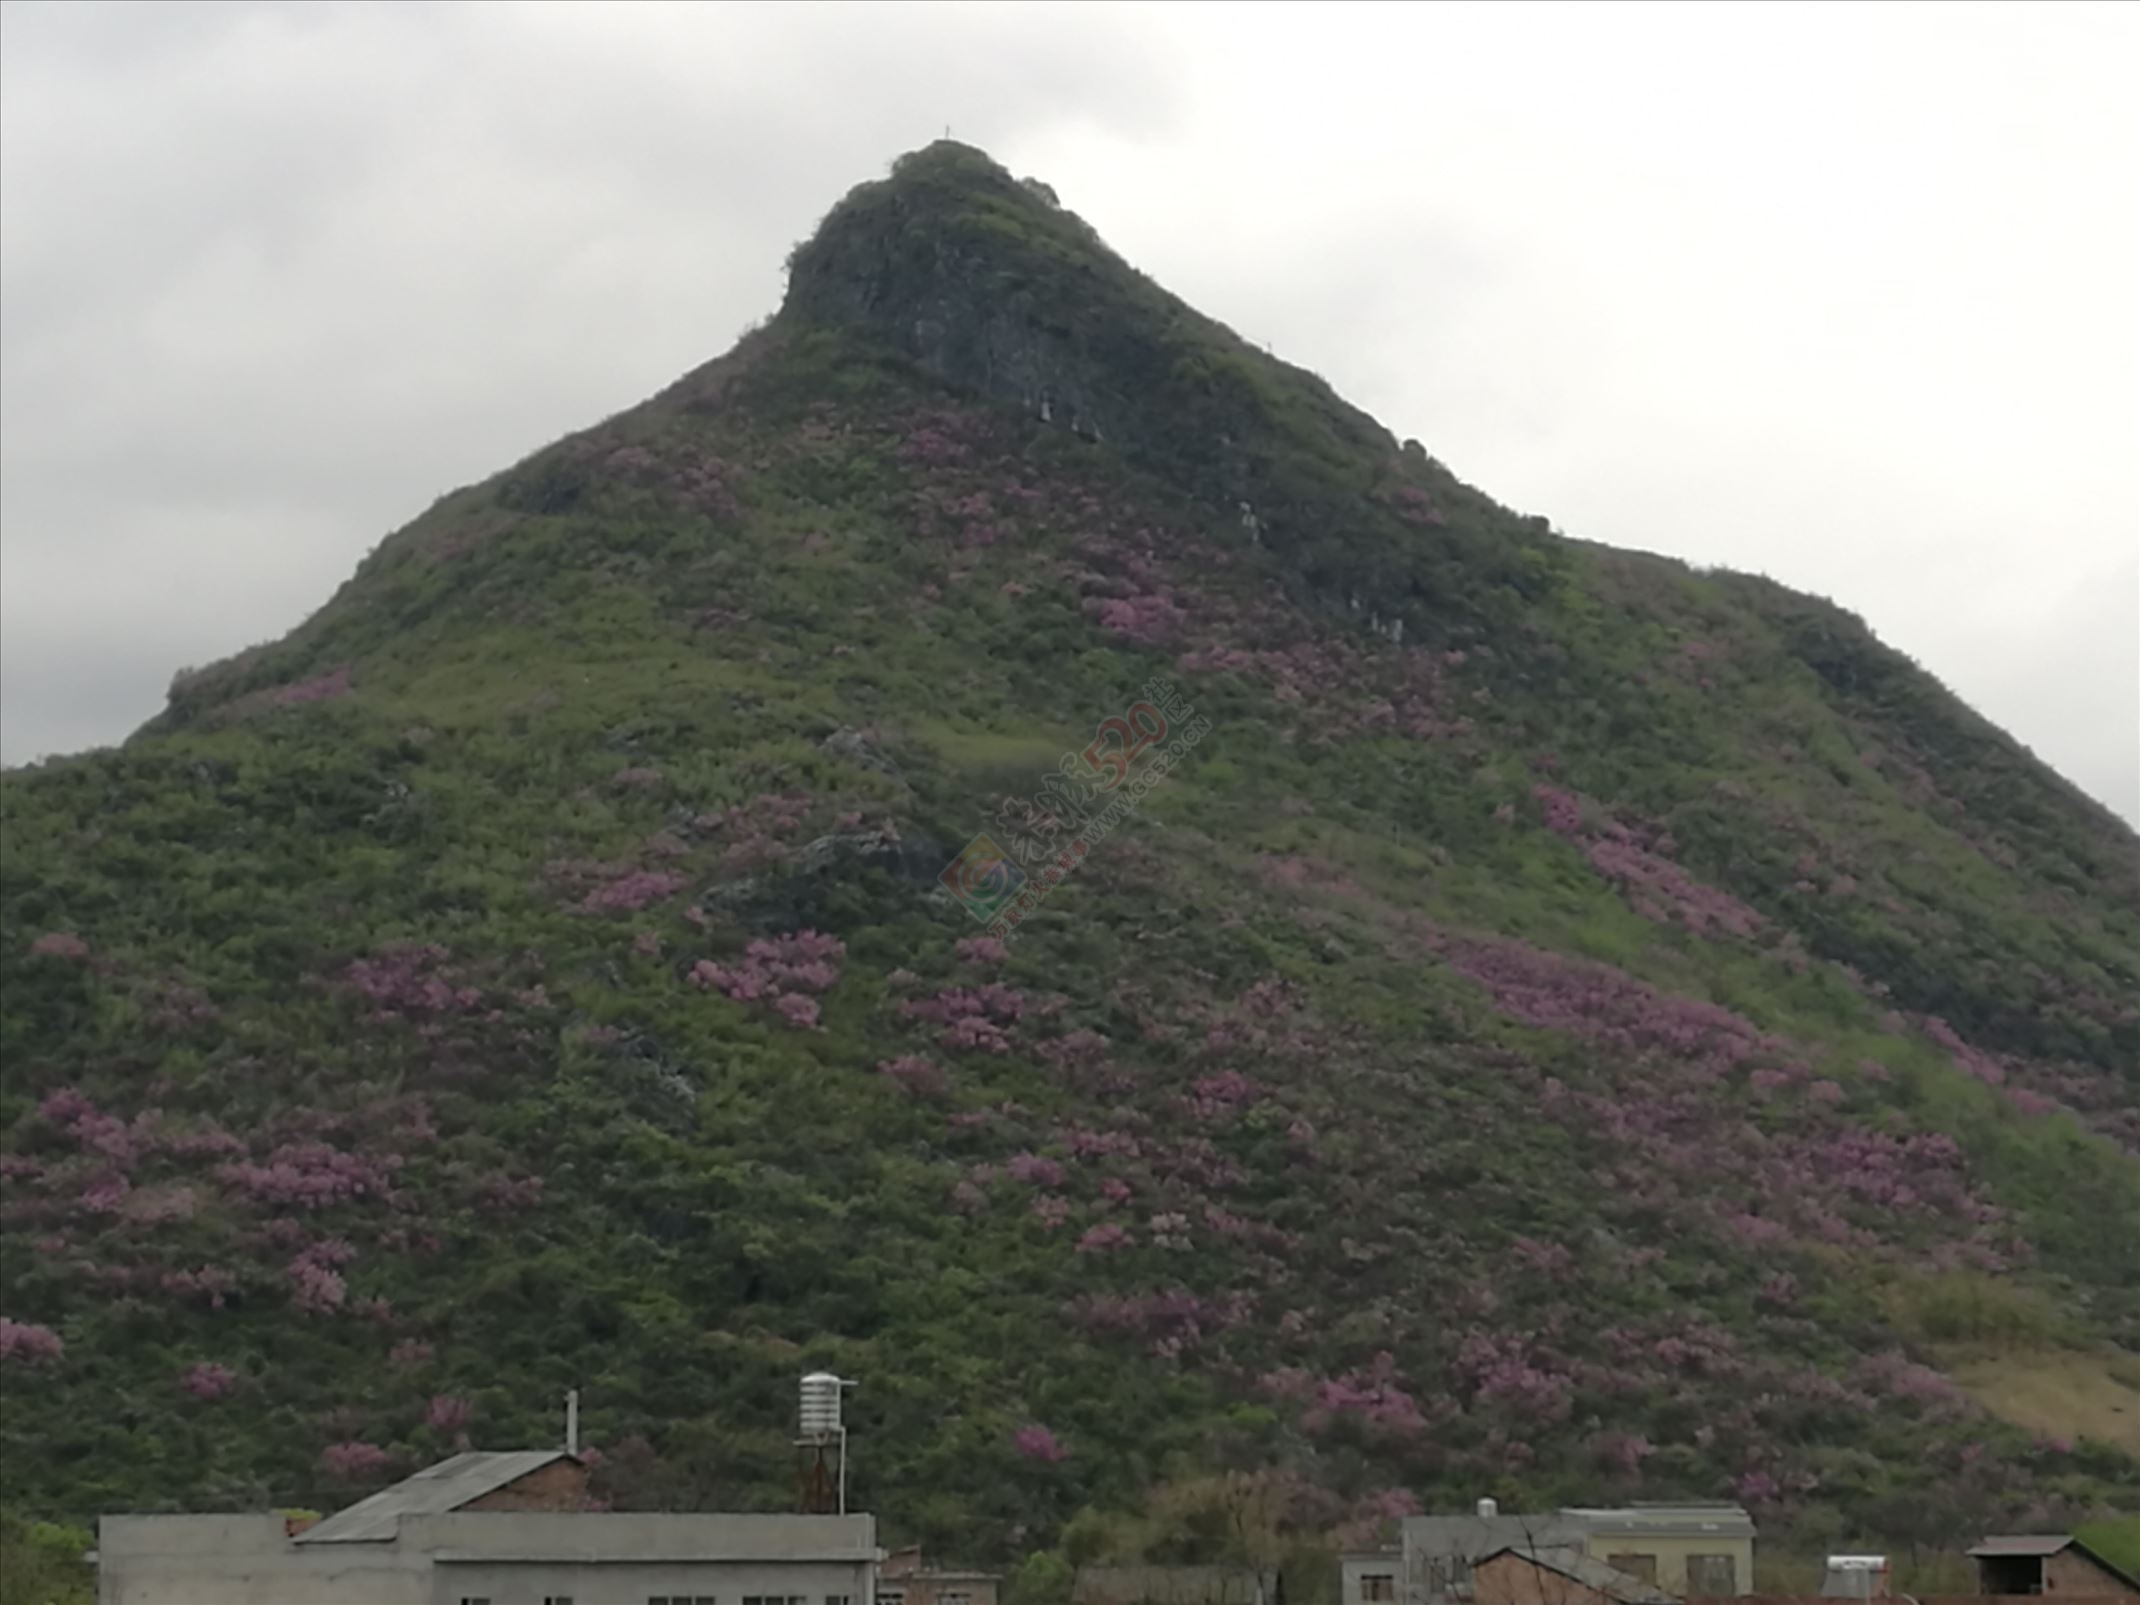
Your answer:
<point x="987" y="283"/>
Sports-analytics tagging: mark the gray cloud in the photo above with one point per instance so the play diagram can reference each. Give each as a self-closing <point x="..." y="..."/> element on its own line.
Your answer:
<point x="1841" y="296"/>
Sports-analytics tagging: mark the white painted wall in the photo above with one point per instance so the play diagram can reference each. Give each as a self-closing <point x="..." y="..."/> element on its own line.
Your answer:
<point x="1358" y="1564"/>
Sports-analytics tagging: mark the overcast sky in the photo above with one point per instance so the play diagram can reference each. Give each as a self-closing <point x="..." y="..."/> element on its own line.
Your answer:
<point x="1841" y="294"/>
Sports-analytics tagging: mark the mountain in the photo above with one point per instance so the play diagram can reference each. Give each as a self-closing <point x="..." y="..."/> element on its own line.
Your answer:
<point x="1497" y="1015"/>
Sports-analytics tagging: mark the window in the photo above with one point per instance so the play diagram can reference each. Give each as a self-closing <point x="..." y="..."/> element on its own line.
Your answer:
<point x="838" y="1599"/>
<point x="954" y="1599"/>
<point x="1378" y="1586"/>
<point x="891" y="1596"/>
<point x="1642" y="1566"/>
<point x="1712" y="1574"/>
<point x="475" y="1599"/>
<point x="557" y="1599"/>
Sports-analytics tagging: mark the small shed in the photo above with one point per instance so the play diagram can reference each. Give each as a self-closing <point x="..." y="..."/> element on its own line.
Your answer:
<point x="2047" y="1563"/>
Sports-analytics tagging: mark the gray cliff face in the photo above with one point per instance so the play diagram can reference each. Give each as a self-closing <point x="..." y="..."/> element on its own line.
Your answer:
<point x="963" y="295"/>
<point x="964" y="331"/>
<point x="986" y="282"/>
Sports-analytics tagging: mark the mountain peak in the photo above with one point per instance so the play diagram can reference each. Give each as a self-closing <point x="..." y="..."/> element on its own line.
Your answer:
<point x="982" y="278"/>
<point x="990" y="285"/>
<point x="946" y="192"/>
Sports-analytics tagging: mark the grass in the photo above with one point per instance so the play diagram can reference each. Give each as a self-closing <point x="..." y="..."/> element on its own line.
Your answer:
<point x="2058" y="1393"/>
<point x="2117" y="1541"/>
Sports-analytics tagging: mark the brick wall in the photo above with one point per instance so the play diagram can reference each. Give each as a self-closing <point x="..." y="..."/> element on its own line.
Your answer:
<point x="926" y="1587"/>
<point x="2070" y="1573"/>
<point x="1518" y="1580"/>
<point x="561" y="1485"/>
<point x="1172" y="1585"/>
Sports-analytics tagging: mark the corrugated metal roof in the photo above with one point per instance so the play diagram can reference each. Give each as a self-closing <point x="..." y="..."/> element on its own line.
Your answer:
<point x="1474" y="1536"/>
<point x="1730" y="1521"/>
<point x="436" y="1489"/>
<point x="2024" y="1544"/>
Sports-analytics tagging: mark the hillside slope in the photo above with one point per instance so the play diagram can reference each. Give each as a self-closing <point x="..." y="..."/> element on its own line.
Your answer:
<point x="1571" y="1026"/>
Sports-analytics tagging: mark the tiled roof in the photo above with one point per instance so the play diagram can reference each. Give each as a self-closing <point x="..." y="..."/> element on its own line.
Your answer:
<point x="1730" y="1521"/>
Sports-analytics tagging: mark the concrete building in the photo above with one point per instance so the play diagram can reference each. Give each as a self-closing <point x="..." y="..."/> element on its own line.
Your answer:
<point x="487" y="1529"/>
<point x="1370" y="1576"/>
<point x="1700" y="1550"/>
<point x="2047" y="1563"/>
<point x="1676" y="1549"/>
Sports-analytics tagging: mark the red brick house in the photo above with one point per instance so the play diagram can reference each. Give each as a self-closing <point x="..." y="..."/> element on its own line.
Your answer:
<point x="2047" y="1563"/>
<point x="1515" y="1576"/>
<point x="903" y="1579"/>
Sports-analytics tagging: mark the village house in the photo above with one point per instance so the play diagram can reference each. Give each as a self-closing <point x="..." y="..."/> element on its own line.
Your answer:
<point x="904" y="1579"/>
<point x="1678" y="1550"/>
<point x="2047" y="1563"/>
<point x="1370" y="1576"/>
<point x="1557" y="1577"/>
<point x="487" y="1528"/>
<point x="1705" y="1551"/>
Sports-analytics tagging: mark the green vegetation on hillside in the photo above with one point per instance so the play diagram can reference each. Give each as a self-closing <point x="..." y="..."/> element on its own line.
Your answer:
<point x="1575" y="1028"/>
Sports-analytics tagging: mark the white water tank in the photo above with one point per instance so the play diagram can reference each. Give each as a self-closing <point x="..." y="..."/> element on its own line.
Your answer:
<point x="1856" y="1577"/>
<point x="821" y="1405"/>
<point x="1488" y="1509"/>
